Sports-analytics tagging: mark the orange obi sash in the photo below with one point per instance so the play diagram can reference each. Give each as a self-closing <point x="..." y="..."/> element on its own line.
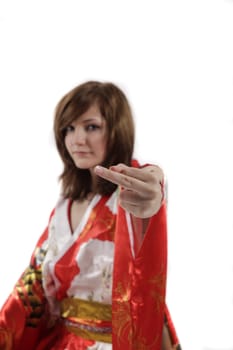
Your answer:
<point x="87" y="319"/>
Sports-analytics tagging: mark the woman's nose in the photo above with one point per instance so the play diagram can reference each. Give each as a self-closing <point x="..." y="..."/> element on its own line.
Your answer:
<point x="79" y="136"/>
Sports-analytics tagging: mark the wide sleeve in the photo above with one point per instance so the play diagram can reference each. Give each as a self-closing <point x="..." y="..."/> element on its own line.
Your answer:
<point x="22" y="317"/>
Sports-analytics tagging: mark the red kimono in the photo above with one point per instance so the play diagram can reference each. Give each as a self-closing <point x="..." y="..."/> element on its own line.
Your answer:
<point x="92" y="288"/>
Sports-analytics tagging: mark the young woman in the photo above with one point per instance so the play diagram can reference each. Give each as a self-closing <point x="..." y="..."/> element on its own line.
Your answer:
<point x="97" y="277"/>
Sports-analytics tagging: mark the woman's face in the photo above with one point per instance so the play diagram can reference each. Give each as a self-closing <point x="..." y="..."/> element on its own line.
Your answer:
<point x="86" y="138"/>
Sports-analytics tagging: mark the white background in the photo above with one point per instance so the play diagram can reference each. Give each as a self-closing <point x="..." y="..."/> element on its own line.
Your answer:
<point x="174" y="60"/>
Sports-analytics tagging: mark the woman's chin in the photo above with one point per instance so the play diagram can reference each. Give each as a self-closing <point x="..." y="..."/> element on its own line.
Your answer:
<point x="85" y="165"/>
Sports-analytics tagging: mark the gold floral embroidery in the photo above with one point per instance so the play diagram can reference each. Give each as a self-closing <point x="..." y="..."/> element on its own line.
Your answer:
<point x="123" y="323"/>
<point x="122" y="314"/>
<point x="29" y="289"/>
<point x="158" y="289"/>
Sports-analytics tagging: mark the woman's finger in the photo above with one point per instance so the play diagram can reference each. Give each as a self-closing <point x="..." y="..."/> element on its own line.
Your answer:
<point x="145" y="174"/>
<point x="123" y="180"/>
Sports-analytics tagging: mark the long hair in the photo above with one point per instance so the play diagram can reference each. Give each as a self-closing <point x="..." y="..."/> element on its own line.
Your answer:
<point x="115" y="109"/>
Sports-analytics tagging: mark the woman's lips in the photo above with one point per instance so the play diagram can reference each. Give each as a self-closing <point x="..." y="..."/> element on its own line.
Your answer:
<point x="81" y="153"/>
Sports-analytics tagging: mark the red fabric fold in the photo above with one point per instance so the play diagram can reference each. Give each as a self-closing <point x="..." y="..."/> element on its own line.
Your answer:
<point x="139" y="286"/>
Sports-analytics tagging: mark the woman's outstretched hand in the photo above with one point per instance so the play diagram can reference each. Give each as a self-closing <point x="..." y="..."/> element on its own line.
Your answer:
<point x="141" y="189"/>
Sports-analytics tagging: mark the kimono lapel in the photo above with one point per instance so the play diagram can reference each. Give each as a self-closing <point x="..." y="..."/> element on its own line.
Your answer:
<point x="100" y="224"/>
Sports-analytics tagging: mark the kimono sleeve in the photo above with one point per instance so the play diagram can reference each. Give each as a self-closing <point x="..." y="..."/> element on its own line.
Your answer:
<point x="22" y="317"/>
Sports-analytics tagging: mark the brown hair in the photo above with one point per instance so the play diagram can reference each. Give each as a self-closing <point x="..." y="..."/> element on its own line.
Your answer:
<point x="115" y="109"/>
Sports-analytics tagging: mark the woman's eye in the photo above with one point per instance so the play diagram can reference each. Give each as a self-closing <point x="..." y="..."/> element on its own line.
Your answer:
<point x="92" y="127"/>
<point x="68" y="129"/>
